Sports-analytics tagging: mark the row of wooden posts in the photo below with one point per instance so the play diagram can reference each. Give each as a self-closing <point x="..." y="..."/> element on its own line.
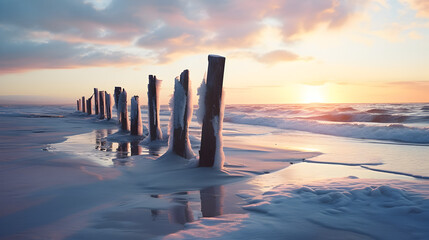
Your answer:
<point x="212" y="106"/>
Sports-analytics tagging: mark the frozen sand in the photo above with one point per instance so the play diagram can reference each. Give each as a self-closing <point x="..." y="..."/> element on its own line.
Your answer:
<point x="104" y="193"/>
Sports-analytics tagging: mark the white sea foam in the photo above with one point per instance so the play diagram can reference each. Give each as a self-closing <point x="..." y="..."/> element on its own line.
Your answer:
<point x="354" y="208"/>
<point x="393" y="132"/>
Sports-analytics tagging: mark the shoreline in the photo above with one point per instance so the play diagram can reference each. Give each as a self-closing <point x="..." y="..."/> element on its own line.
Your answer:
<point x="166" y="198"/>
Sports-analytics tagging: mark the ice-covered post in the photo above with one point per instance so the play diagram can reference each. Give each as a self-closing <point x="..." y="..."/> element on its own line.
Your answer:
<point x="123" y="111"/>
<point x="211" y="144"/>
<point x="108" y="99"/>
<point x="83" y="104"/>
<point x="96" y="101"/>
<point x="136" y="118"/>
<point x="89" y="106"/>
<point x="153" y="108"/>
<point x="101" y="99"/>
<point x="182" y="113"/>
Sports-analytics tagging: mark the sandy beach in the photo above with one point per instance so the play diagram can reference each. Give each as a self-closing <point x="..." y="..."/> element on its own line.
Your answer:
<point x="66" y="175"/>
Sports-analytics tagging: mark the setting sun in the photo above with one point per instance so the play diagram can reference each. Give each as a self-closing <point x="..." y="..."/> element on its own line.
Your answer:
<point x="312" y="94"/>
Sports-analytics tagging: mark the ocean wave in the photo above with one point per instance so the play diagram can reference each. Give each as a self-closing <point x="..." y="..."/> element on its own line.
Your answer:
<point x="363" y="117"/>
<point x="346" y="109"/>
<point x="394" y="132"/>
<point x="377" y="110"/>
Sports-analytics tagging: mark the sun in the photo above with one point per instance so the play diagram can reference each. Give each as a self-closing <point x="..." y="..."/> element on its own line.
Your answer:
<point x="312" y="94"/>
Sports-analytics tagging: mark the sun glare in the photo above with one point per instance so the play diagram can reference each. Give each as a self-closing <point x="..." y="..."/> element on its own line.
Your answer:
<point x="312" y="94"/>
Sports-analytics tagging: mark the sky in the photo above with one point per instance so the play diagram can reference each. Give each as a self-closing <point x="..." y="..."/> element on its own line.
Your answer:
<point x="277" y="51"/>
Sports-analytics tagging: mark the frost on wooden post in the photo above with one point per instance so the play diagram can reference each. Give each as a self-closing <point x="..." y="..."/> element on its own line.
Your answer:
<point x="154" y="87"/>
<point x="211" y="151"/>
<point x="123" y="111"/>
<point x="136" y="119"/>
<point x="181" y="115"/>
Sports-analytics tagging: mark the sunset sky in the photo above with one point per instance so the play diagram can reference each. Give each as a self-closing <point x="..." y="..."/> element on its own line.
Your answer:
<point x="290" y="51"/>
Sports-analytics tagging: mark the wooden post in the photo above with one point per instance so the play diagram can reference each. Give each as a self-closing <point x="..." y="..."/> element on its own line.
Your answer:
<point x="97" y="109"/>
<point x="89" y="106"/>
<point x="212" y="105"/>
<point x="153" y="105"/>
<point x="180" y="122"/>
<point x="123" y="111"/>
<point x="108" y="109"/>
<point x="83" y="104"/>
<point x="136" y="119"/>
<point x="101" y="99"/>
<point x="77" y="105"/>
<point x="116" y="95"/>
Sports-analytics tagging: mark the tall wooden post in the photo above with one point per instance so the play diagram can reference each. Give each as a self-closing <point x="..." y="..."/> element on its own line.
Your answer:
<point x="83" y="104"/>
<point x="180" y="115"/>
<point x="101" y="99"/>
<point x="212" y="106"/>
<point x="136" y="119"/>
<point x="108" y="109"/>
<point x="153" y="105"/>
<point x="97" y="108"/>
<point x="77" y="105"/>
<point x="116" y="96"/>
<point x="89" y="106"/>
<point x="123" y="111"/>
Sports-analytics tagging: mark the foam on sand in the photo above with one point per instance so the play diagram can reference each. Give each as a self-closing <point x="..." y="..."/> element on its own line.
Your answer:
<point x="347" y="207"/>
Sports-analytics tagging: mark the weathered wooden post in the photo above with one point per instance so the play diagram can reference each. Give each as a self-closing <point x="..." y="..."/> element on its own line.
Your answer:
<point x="78" y="105"/>
<point x="116" y="96"/>
<point x="182" y="114"/>
<point x="97" y="108"/>
<point x="211" y="145"/>
<point x="136" y="119"/>
<point x="102" y="104"/>
<point x="108" y="99"/>
<point x="123" y="111"/>
<point x="89" y="106"/>
<point x="153" y="108"/>
<point x="83" y="104"/>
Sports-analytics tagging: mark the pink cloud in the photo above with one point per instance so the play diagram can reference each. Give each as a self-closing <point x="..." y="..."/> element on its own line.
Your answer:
<point x="421" y="6"/>
<point x="168" y="29"/>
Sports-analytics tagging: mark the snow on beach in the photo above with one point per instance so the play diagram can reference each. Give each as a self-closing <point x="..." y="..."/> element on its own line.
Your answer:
<point x="345" y="208"/>
<point x="101" y="183"/>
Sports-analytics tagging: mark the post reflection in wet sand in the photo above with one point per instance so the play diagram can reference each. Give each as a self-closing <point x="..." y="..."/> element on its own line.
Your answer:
<point x="122" y="150"/>
<point x="155" y="150"/>
<point x="212" y="201"/>
<point x="136" y="149"/>
<point x="100" y="140"/>
<point x="180" y="213"/>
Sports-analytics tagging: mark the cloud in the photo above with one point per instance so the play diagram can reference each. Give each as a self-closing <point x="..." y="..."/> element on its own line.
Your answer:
<point x="421" y="6"/>
<point x="280" y="56"/>
<point x="17" y="55"/>
<point x="164" y="29"/>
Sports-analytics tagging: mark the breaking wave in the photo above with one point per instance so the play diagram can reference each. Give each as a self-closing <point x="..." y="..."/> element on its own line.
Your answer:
<point x="393" y="132"/>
